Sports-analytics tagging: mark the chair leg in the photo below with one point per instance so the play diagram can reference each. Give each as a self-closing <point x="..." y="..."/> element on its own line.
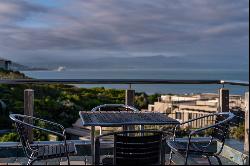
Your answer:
<point x="218" y="159"/>
<point x="186" y="159"/>
<point x="209" y="161"/>
<point x="170" y="157"/>
<point x="30" y="162"/>
<point x="85" y="160"/>
<point x="68" y="159"/>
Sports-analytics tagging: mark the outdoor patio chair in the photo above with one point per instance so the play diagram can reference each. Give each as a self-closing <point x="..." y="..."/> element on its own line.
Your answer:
<point x="218" y="132"/>
<point x="42" y="152"/>
<point x="145" y="147"/>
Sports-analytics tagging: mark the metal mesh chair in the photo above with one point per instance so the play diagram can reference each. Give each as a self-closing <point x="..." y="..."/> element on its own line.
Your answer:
<point x="219" y="132"/>
<point x="41" y="152"/>
<point x="140" y="147"/>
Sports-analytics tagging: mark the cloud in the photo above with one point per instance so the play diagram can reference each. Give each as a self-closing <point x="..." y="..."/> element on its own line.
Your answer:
<point x="13" y="10"/>
<point x="123" y="27"/>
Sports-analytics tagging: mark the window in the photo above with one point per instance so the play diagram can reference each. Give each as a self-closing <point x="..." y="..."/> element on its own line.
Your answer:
<point x="189" y="116"/>
<point x="202" y="121"/>
<point x="196" y="116"/>
<point x="178" y="115"/>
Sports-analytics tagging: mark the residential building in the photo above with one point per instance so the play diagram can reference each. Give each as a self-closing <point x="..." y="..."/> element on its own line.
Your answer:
<point x="5" y="64"/>
<point x="184" y="108"/>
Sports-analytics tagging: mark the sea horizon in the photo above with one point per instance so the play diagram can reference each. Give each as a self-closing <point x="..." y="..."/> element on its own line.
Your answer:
<point x="178" y="74"/>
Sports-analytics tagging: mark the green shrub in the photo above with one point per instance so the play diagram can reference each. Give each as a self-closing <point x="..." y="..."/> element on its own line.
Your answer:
<point x="10" y="137"/>
<point x="238" y="132"/>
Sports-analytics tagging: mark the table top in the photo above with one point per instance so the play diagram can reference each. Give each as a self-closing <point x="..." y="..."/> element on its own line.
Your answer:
<point x="114" y="118"/>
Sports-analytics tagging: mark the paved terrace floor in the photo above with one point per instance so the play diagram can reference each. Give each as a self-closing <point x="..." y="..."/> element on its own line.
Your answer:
<point x="86" y="160"/>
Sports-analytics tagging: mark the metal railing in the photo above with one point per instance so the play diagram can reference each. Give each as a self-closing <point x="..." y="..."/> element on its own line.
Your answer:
<point x="120" y="81"/>
<point x="123" y="81"/>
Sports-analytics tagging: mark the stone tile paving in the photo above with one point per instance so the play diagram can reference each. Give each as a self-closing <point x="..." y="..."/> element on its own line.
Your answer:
<point x="82" y="160"/>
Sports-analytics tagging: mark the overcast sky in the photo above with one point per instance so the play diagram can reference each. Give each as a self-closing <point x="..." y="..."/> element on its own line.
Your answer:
<point x="36" y="32"/>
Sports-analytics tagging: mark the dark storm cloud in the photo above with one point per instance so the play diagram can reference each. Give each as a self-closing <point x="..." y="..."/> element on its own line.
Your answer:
<point x="123" y="27"/>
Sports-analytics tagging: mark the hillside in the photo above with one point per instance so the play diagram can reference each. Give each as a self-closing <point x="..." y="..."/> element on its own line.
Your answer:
<point x="57" y="102"/>
<point x="4" y="74"/>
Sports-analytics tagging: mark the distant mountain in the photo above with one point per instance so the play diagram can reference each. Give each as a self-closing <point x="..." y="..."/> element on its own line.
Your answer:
<point x="159" y="61"/>
<point x="16" y="66"/>
<point x="147" y="62"/>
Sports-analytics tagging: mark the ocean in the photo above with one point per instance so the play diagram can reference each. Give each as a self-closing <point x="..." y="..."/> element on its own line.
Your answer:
<point x="236" y="75"/>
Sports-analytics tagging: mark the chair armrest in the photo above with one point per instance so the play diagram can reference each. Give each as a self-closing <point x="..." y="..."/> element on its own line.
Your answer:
<point x="196" y="119"/>
<point x="61" y="134"/>
<point x="223" y="122"/>
<point x="203" y="129"/>
<point x="48" y="131"/>
<point x="200" y="130"/>
<point x="178" y="125"/>
<point x="46" y="121"/>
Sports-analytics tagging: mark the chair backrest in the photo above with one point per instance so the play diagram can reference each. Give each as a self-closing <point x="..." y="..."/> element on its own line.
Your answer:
<point x="138" y="149"/>
<point x="114" y="107"/>
<point x="220" y="129"/>
<point x="21" y="126"/>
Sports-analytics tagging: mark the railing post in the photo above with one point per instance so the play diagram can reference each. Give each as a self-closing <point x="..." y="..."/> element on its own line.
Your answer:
<point x="92" y="138"/>
<point x="246" y="143"/>
<point x="29" y="109"/>
<point x="97" y="152"/>
<point x="130" y="97"/>
<point x="223" y="100"/>
<point x="129" y="100"/>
